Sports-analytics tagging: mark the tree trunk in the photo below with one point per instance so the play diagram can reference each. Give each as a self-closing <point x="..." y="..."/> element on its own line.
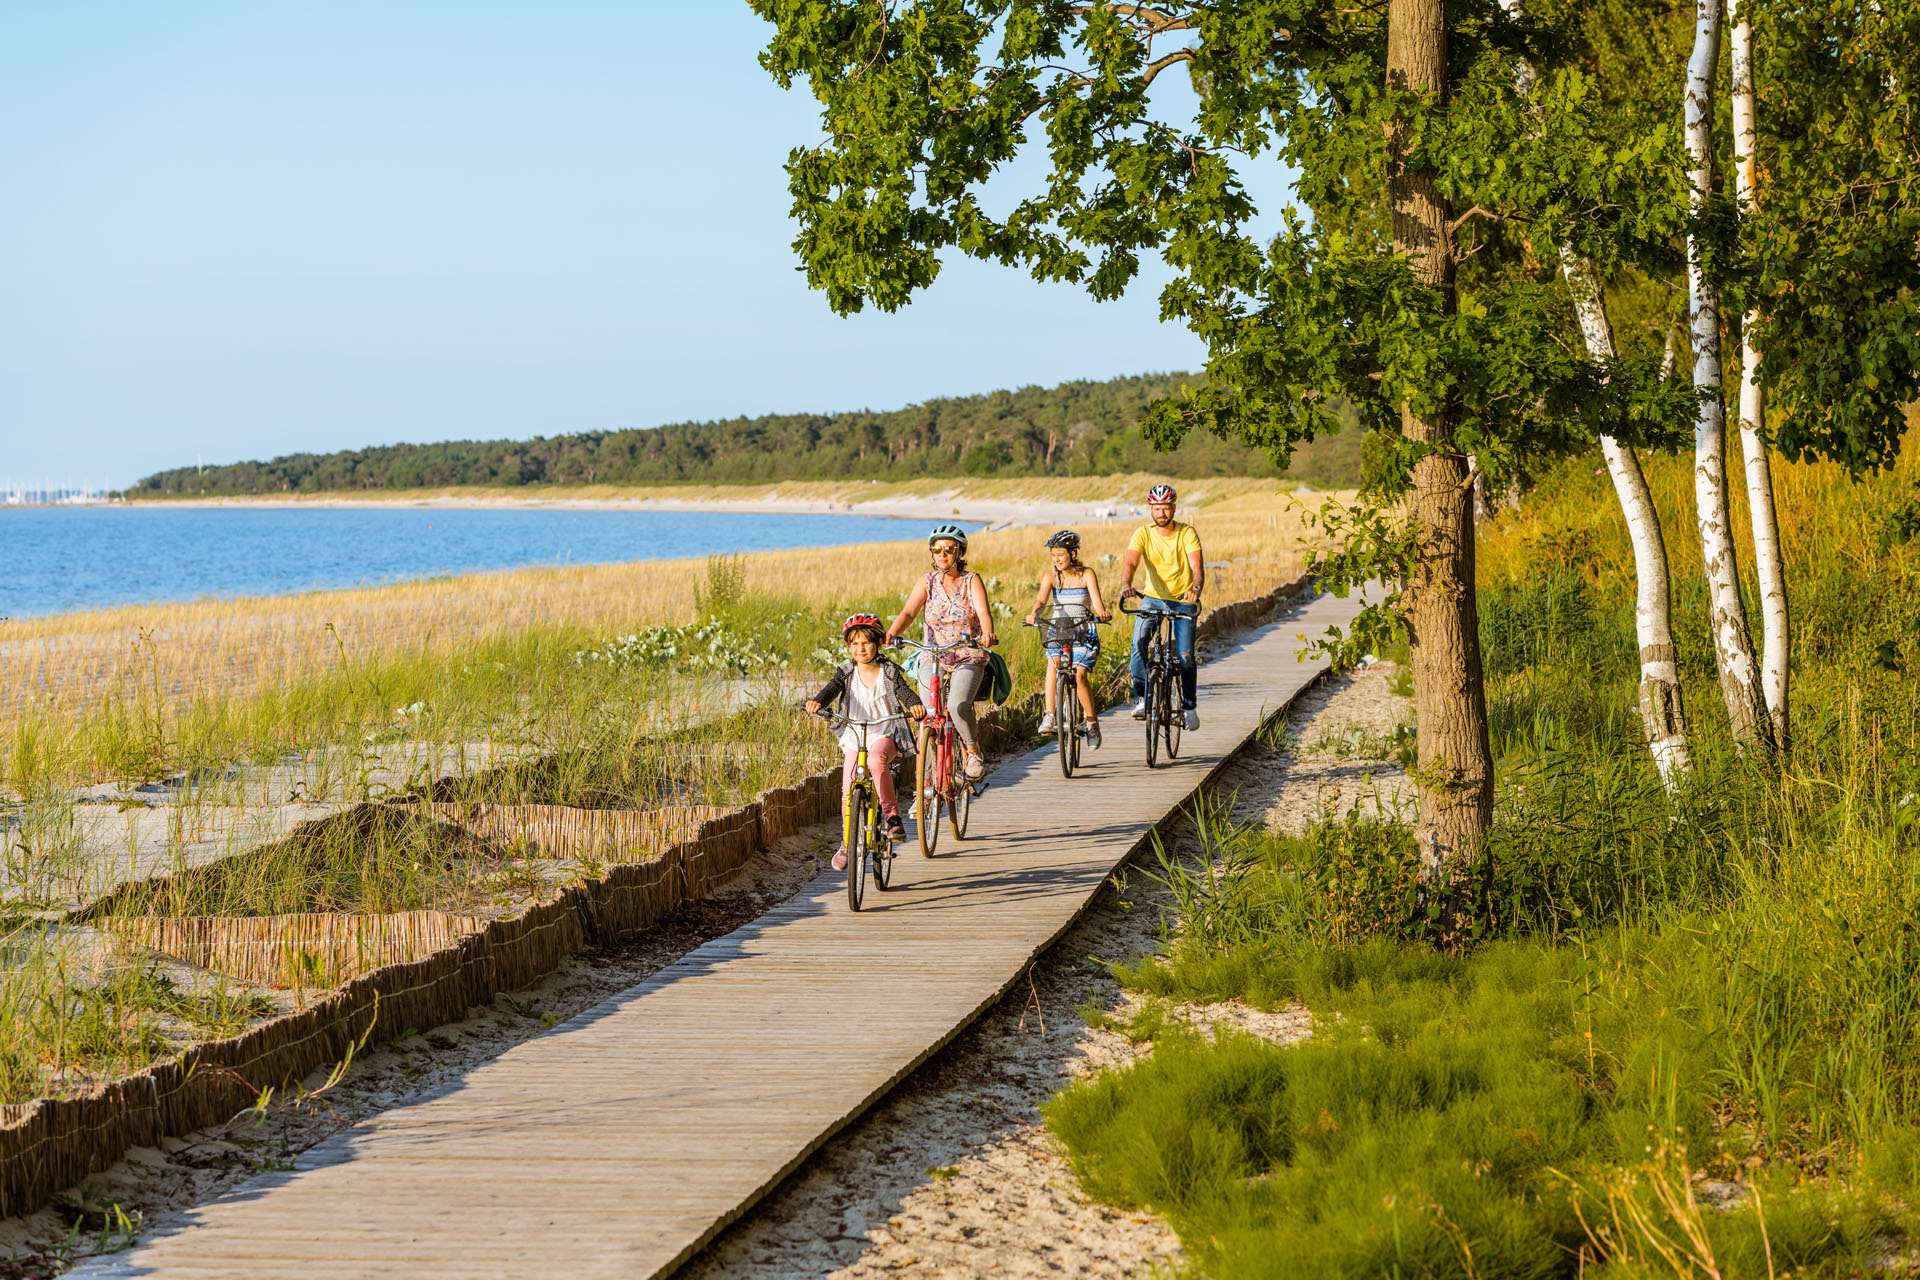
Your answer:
<point x="1663" y="713"/>
<point x="1768" y="562"/>
<point x="1450" y="700"/>
<point x="1727" y="616"/>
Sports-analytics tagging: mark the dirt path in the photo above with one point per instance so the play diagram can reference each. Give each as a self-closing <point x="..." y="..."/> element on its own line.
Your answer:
<point x="955" y="1173"/>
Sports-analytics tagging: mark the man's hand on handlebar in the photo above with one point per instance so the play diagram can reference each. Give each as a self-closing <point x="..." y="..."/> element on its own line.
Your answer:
<point x="1127" y="592"/>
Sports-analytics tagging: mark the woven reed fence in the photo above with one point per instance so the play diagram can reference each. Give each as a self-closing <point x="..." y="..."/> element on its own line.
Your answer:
<point x="52" y="1143"/>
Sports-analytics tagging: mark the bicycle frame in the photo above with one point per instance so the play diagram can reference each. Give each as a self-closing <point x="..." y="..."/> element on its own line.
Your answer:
<point x="939" y="724"/>
<point x="861" y="833"/>
<point x="1163" y="680"/>
<point x="939" y="782"/>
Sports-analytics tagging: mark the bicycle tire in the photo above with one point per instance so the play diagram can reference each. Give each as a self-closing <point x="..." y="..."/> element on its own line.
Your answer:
<point x="879" y="846"/>
<point x="925" y="772"/>
<point x="1176" y="713"/>
<point x="856" y="829"/>
<point x="1153" y="715"/>
<point x="960" y="807"/>
<point x="1063" y="726"/>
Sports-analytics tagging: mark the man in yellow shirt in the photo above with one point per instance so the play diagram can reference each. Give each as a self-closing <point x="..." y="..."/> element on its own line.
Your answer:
<point x="1175" y="574"/>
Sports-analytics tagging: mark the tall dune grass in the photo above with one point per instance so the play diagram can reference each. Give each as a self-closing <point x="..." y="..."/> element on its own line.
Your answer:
<point x="145" y="691"/>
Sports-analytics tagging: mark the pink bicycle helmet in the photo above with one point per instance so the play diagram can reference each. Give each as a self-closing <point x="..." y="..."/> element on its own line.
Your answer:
<point x="857" y="620"/>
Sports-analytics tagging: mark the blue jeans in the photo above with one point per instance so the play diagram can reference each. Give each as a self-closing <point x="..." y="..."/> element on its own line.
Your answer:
<point x="1183" y="615"/>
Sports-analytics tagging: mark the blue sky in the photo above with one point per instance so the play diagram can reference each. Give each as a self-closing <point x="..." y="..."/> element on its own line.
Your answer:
<point x="236" y="230"/>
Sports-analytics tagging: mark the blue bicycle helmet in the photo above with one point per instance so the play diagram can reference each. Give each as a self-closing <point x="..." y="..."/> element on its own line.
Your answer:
<point x="952" y="532"/>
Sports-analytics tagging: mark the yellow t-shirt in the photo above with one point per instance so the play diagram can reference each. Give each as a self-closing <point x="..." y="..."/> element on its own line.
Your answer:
<point x="1169" y="576"/>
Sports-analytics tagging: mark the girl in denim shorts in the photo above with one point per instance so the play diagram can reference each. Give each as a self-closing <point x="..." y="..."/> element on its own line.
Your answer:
<point x="1074" y="592"/>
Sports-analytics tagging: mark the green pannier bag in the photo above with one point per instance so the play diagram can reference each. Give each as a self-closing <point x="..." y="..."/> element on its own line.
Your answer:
<point x="999" y="682"/>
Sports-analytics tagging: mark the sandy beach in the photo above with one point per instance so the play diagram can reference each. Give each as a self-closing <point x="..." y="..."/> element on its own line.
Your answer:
<point x="998" y="504"/>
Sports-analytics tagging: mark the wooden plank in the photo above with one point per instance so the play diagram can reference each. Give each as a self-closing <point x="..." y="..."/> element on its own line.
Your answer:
<point x="622" y="1140"/>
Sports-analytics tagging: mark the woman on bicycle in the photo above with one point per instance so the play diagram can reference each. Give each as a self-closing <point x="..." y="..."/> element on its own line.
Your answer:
<point x="957" y="605"/>
<point x="1074" y="591"/>
<point x="872" y="689"/>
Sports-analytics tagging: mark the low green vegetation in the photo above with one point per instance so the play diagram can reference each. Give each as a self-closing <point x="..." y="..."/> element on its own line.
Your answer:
<point x="1685" y="1037"/>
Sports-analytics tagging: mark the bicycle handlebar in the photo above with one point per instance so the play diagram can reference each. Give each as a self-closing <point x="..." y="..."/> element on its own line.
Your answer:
<point x="964" y="642"/>
<point x="1048" y="619"/>
<point x="830" y="718"/>
<point x="1126" y="600"/>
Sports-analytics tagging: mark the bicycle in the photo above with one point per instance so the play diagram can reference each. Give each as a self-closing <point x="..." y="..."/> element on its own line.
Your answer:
<point x="1165" y="716"/>
<point x="940" y="782"/>
<point x="863" y="833"/>
<point x="1069" y="718"/>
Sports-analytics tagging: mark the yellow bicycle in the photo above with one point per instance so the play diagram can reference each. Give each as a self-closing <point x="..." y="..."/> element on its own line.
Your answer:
<point x="863" y="833"/>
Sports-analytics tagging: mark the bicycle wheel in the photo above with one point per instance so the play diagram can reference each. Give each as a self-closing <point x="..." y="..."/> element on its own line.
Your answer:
<point x="1063" y="725"/>
<point x="1153" y="714"/>
<point x="1176" y="713"/>
<point x="926" y="771"/>
<point x="856" y="828"/>
<point x="960" y="803"/>
<point x="1079" y="720"/>
<point x="879" y="847"/>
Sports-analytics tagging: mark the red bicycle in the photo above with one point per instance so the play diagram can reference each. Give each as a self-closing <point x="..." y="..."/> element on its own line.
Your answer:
<point x="940" y="782"/>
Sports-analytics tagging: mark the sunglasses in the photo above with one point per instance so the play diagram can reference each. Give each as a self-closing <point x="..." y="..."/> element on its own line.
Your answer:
<point x="944" y="551"/>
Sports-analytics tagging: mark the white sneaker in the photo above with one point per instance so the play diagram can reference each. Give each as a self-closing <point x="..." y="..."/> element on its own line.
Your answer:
<point x="1046" y="723"/>
<point x="1140" y="709"/>
<point x="1193" y="718"/>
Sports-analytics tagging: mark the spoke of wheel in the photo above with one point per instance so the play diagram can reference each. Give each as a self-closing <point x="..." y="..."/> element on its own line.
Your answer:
<point x="925" y="771"/>
<point x="1063" y="722"/>
<point x="856" y="846"/>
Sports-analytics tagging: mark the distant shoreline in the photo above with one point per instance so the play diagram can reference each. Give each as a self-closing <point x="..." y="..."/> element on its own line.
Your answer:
<point x="996" y="504"/>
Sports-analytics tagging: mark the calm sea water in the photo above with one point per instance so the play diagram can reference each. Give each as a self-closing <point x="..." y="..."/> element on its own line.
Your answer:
<point x="55" y="559"/>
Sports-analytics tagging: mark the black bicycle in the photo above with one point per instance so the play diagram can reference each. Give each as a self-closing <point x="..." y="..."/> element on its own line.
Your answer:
<point x="1069" y="717"/>
<point x="1165" y="716"/>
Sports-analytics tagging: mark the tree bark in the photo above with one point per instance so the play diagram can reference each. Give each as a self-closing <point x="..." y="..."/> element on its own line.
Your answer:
<point x="1768" y="563"/>
<point x="1663" y="713"/>
<point x="1450" y="702"/>
<point x="1727" y="617"/>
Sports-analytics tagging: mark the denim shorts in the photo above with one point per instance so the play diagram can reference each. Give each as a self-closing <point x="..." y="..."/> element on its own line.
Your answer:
<point x="1085" y="651"/>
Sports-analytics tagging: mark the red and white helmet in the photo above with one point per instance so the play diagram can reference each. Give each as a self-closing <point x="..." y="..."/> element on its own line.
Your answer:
<point x="1160" y="493"/>
<point x="857" y="620"/>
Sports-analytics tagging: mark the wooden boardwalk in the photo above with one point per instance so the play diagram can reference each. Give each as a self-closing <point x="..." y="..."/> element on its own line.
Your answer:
<point x="624" y="1139"/>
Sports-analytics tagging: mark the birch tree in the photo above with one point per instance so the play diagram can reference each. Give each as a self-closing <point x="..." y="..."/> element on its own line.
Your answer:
<point x="1428" y="312"/>
<point x="1768" y="561"/>
<point x="1662" y="706"/>
<point x="1726" y="614"/>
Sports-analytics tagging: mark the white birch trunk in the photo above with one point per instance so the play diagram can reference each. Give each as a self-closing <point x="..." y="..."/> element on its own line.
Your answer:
<point x="1663" y="715"/>
<point x="1768" y="562"/>
<point x="1727" y="617"/>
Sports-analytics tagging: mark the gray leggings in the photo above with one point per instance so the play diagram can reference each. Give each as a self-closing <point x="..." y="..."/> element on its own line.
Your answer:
<point x="963" y="683"/>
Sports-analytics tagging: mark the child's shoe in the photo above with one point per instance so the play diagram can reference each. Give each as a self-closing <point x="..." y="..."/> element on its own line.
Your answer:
<point x="1093" y="733"/>
<point x="896" y="829"/>
<point x="839" y="859"/>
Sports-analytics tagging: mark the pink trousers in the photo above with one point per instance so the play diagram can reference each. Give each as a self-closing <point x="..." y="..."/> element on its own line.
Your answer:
<point x="880" y="753"/>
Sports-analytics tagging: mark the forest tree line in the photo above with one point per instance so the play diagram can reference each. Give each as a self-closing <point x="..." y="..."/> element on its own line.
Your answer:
<point x="1076" y="428"/>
